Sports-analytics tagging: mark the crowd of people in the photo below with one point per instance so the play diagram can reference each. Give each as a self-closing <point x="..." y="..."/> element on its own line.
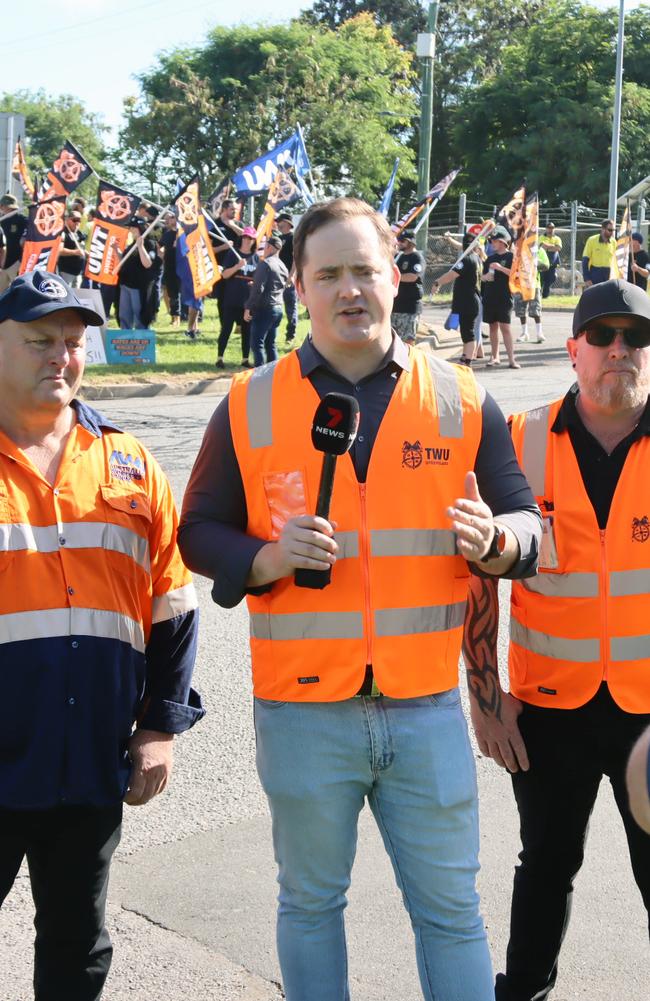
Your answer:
<point x="355" y="669"/>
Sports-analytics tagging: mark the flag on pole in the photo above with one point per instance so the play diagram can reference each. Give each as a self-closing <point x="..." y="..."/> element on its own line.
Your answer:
<point x="110" y="232"/>
<point x="621" y="259"/>
<point x="523" y="274"/>
<point x="431" y="198"/>
<point x="282" y="192"/>
<point x="513" y="214"/>
<point x="259" y="174"/>
<point x="387" y="197"/>
<point x="68" y="171"/>
<point x="43" y="235"/>
<point x="200" y="255"/>
<point x="20" y="171"/>
<point x="214" y="202"/>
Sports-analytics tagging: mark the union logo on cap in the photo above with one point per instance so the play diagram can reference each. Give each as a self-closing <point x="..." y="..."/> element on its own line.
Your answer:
<point x="53" y="289"/>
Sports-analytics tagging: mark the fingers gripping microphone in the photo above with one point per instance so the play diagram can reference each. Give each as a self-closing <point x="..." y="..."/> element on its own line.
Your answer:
<point x="333" y="431"/>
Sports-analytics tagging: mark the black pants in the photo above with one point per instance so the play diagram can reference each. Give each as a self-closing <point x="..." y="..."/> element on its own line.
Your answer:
<point x="173" y="289"/>
<point x="68" y="851"/>
<point x="569" y="751"/>
<point x="230" y="315"/>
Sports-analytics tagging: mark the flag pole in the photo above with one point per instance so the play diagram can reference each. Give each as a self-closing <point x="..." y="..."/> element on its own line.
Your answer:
<point x="146" y="232"/>
<point x="221" y="233"/>
<point x="426" y="214"/>
<point x="314" y="189"/>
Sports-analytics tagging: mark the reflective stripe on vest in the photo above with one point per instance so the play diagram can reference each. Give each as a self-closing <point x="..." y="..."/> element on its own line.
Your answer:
<point x="307" y="626"/>
<point x="50" y="622"/>
<point x="564" y="585"/>
<point x="450" y="407"/>
<point x="629" y="647"/>
<point x="559" y="647"/>
<point x="623" y="583"/>
<point x="534" y="449"/>
<point x="77" y="535"/>
<point x="259" y="406"/>
<point x="409" y="621"/>
<point x="348" y="543"/>
<point x="412" y="542"/>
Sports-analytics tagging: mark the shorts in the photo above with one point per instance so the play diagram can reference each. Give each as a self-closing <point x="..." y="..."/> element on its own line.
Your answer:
<point x="497" y="312"/>
<point x="405" y="326"/>
<point x="528" y="307"/>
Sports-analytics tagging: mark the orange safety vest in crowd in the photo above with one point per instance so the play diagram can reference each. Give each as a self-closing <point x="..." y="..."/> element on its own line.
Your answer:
<point x="585" y="617"/>
<point x="398" y="589"/>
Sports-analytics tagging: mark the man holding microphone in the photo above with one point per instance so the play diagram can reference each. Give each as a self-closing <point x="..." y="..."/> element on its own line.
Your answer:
<point x="356" y="683"/>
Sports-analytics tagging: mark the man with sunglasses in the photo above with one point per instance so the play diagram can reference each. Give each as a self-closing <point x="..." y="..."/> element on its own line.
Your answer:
<point x="579" y="659"/>
<point x="598" y="254"/>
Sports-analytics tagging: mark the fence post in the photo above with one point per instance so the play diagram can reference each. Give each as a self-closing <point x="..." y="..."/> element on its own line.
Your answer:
<point x="640" y="213"/>
<point x="462" y="209"/>
<point x="574" y="240"/>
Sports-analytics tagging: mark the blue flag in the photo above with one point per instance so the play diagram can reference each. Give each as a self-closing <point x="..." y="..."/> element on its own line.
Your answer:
<point x="260" y="174"/>
<point x="384" y="204"/>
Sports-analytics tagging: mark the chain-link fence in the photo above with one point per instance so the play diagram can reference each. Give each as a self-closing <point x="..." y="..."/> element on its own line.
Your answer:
<point x="574" y="223"/>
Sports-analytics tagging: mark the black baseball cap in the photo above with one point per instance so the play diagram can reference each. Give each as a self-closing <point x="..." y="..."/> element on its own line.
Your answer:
<point x="139" y="222"/>
<point x="407" y="234"/>
<point x="612" y="298"/>
<point x="284" y="217"/>
<point x="37" y="293"/>
<point x="275" y="241"/>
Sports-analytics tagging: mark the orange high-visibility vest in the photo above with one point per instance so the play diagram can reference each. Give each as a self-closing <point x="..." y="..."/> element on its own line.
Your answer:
<point x="398" y="590"/>
<point x="585" y="617"/>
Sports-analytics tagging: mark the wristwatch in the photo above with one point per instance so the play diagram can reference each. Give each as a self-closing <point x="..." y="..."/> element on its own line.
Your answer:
<point x="497" y="546"/>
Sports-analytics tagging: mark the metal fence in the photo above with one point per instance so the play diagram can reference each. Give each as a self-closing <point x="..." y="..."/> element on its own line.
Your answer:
<point x="574" y="223"/>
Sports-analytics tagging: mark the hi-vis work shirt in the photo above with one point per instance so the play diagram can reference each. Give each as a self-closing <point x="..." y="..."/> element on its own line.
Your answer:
<point x="98" y="617"/>
<point x="584" y="618"/>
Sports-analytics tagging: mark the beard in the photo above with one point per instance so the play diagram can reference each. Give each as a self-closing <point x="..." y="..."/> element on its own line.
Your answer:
<point x="627" y="393"/>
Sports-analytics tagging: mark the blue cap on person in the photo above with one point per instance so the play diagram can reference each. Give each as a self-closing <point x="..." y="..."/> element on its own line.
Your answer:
<point x="38" y="293"/>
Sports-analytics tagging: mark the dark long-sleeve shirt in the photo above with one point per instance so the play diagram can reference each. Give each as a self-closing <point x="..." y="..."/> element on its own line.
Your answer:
<point x="213" y="537"/>
<point x="270" y="281"/>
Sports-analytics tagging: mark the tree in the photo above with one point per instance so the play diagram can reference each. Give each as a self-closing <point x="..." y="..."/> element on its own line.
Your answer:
<point x="49" y="121"/>
<point x="405" y="18"/>
<point x="211" y="109"/>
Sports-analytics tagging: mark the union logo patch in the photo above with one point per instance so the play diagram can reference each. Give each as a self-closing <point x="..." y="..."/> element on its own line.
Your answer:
<point x="126" y="467"/>
<point x="640" y="529"/>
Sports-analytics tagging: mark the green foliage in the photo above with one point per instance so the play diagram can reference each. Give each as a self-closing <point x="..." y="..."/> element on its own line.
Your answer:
<point x="211" y="109"/>
<point x="49" y="121"/>
<point x="405" y="18"/>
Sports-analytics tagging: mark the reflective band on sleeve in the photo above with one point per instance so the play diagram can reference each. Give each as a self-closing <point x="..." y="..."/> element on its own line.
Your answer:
<point x="450" y="406"/>
<point x="430" y="619"/>
<point x="49" y="622"/>
<point x="348" y="543"/>
<point x="412" y="542"/>
<point x="558" y="647"/>
<point x="259" y="414"/>
<point x="77" y="535"/>
<point x="307" y="626"/>
<point x="534" y="450"/>
<point x="564" y="585"/>
<point x="629" y="648"/>
<point x="623" y="583"/>
<point x="168" y="606"/>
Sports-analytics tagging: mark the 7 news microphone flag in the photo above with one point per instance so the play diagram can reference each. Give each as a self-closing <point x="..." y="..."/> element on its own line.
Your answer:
<point x="110" y="232"/>
<point x="43" y="235"/>
<point x="429" y="201"/>
<point x="333" y="431"/>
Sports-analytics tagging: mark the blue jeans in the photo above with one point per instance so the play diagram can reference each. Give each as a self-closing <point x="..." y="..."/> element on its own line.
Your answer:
<point x="264" y="324"/>
<point x="130" y="306"/>
<point x="412" y="759"/>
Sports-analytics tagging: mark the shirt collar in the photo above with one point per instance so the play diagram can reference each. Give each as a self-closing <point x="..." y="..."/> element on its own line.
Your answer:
<point x="310" y="358"/>
<point x="92" y="420"/>
<point x="568" y="415"/>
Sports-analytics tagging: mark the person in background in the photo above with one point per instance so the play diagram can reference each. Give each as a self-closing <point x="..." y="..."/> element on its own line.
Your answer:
<point x="532" y="307"/>
<point x="170" y="281"/>
<point x="598" y="254"/>
<point x="496" y="295"/>
<point x="13" y="224"/>
<point x="408" y="301"/>
<point x="135" y="277"/>
<point x="237" y="279"/>
<point x="285" y="227"/>
<point x="552" y="244"/>
<point x="72" y="255"/>
<point x="638" y="267"/>
<point x="265" y="300"/>
<point x="465" y="297"/>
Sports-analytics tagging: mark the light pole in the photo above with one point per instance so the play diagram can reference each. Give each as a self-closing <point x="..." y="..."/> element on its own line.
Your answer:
<point x="426" y="51"/>
<point x="616" y="124"/>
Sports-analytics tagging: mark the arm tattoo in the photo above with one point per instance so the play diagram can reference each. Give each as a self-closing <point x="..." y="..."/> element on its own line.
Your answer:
<point x="480" y="645"/>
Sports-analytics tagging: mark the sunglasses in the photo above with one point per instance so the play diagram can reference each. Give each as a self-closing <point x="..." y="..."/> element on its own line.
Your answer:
<point x="601" y="336"/>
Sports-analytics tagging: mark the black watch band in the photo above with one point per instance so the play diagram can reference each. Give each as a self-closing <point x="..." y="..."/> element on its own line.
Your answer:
<point x="497" y="546"/>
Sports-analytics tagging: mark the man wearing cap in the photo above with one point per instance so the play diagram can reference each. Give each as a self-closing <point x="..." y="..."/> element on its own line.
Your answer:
<point x="290" y="296"/>
<point x="72" y="256"/>
<point x="639" y="267"/>
<point x="496" y="295"/>
<point x="552" y="245"/>
<point x="408" y="301"/>
<point x="135" y="276"/>
<point x="579" y="651"/>
<point x="265" y="300"/>
<point x="98" y="628"/>
<point x="598" y="254"/>
<point x="13" y="224"/>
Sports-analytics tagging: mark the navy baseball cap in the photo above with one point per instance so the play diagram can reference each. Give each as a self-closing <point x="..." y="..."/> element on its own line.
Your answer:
<point x="37" y="293"/>
<point x="612" y="298"/>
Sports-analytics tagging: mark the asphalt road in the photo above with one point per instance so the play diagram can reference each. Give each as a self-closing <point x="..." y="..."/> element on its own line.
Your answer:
<point x="193" y="886"/>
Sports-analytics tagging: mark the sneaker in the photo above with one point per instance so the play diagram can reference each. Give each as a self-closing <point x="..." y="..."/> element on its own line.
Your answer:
<point x="245" y="363"/>
<point x="540" y="339"/>
<point x="523" y="337"/>
<point x="219" y="363"/>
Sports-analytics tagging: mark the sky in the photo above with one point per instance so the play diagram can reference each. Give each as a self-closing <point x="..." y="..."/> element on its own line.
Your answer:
<point x="94" y="48"/>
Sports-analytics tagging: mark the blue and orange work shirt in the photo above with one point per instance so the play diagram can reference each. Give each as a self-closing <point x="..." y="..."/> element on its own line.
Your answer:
<point x="98" y="617"/>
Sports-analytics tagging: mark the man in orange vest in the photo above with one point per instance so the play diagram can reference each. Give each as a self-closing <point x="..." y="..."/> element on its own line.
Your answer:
<point x="579" y="651"/>
<point x="356" y="684"/>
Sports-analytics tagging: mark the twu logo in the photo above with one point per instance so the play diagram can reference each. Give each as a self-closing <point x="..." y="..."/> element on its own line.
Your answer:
<point x="127" y="460"/>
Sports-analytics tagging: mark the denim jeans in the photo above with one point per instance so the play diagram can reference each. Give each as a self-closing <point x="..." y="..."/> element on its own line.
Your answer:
<point x="264" y="324"/>
<point x="130" y="307"/>
<point x="412" y="760"/>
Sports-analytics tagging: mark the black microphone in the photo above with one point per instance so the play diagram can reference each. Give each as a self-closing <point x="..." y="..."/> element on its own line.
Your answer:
<point x="333" y="431"/>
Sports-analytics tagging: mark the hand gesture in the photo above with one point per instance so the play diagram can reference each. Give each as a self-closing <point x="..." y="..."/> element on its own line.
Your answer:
<point x="152" y="755"/>
<point x="306" y="542"/>
<point x="497" y="733"/>
<point x="471" y="520"/>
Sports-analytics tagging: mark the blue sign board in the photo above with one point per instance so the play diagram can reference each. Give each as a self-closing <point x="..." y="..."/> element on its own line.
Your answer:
<point x="130" y="347"/>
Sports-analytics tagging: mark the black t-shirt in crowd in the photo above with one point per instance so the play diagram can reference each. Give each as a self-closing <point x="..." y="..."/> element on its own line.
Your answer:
<point x="409" y="294"/>
<point x="465" y="287"/>
<point x="133" y="273"/>
<point x="72" y="264"/>
<point x="168" y="244"/>
<point x="230" y="234"/>
<point x="642" y="259"/>
<point x="237" y="287"/>
<point x="497" y="292"/>
<point x="13" y="226"/>
<point x="286" y="251"/>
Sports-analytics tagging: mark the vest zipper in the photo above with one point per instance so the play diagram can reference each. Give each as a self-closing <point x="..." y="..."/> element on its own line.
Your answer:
<point x="605" y="598"/>
<point x="365" y="572"/>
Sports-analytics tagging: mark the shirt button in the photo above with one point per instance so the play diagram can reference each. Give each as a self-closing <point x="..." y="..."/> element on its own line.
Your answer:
<point x="70" y="702"/>
<point x="360" y="438"/>
<point x="357" y="389"/>
<point x="133" y="504"/>
<point x="70" y="590"/>
<point x="74" y="644"/>
<point x="56" y="491"/>
<point x="62" y="540"/>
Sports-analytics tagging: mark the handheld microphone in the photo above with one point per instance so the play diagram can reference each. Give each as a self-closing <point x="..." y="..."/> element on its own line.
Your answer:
<point x="333" y="431"/>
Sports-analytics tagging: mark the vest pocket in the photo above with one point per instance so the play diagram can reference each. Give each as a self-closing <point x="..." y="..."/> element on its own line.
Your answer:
<point x="286" y="497"/>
